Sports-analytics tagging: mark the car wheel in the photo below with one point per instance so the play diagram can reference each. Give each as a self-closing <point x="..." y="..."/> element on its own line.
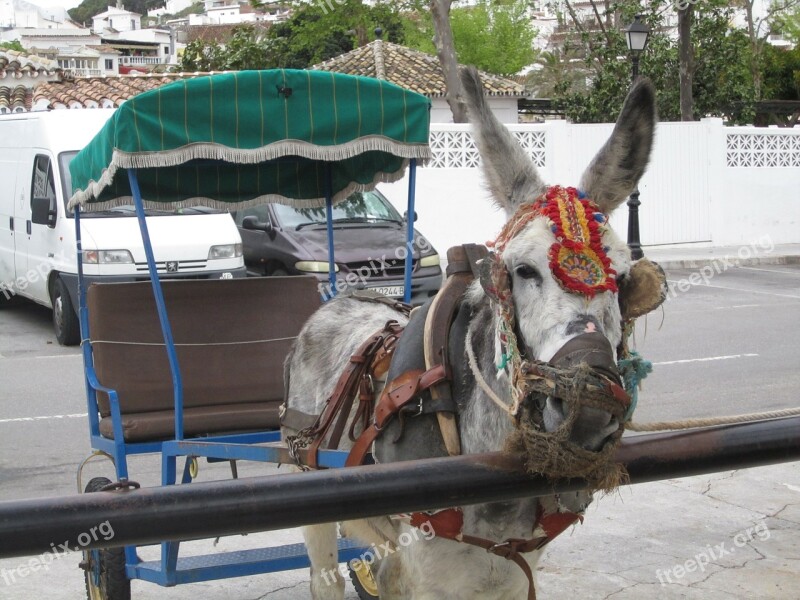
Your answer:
<point x="65" y="320"/>
<point x="279" y="272"/>
<point x="105" y="568"/>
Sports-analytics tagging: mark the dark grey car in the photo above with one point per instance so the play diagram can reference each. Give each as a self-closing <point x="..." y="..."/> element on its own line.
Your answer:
<point x="369" y="246"/>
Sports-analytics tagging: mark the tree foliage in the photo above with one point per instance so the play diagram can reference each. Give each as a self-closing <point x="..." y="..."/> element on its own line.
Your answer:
<point x="246" y="49"/>
<point x="722" y="60"/>
<point x="87" y="9"/>
<point x="494" y="35"/>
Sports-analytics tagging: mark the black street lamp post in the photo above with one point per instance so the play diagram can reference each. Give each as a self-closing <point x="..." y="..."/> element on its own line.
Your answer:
<point x="636" y="36"/>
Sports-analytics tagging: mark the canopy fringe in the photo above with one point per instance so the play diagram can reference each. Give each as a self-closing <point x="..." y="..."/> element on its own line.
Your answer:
<point x="84" y="197"/>
<point x="281" y="149"/>
<point x="284" y="148"/>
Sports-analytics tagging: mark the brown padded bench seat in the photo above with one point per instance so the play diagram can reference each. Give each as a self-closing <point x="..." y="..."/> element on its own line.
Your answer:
<point x="231" y="336"/>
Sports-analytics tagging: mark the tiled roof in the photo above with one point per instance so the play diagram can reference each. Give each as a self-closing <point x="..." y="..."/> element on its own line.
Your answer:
<point x="99" y="92"/>
<point x="15" y="99"/>
<point x="13" y="63"/>
<point x="411" y="69"/>
<point x="218" y="33"/>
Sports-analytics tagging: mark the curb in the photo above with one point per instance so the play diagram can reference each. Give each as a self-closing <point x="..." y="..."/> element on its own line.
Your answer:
<point x="698" y="263"/>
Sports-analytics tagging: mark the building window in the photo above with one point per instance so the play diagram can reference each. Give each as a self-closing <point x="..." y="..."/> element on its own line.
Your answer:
<point x="133" y="23"/>
<point x="109" y="64"/>
<point x="166" y="50"/>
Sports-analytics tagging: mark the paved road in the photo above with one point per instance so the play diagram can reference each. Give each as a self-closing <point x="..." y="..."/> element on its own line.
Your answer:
<point x="728" y="345"/>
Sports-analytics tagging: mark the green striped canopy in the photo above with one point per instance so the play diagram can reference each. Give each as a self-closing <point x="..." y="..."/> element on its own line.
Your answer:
<point x="252" y="137"/>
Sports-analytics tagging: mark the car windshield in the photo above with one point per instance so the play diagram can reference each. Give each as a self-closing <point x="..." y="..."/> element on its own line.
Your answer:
<point x="126" y="210"/>
<point x="360" y="207"/>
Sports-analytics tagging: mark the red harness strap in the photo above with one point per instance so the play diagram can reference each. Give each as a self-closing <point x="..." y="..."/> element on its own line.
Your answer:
<point x="449" y="524"/>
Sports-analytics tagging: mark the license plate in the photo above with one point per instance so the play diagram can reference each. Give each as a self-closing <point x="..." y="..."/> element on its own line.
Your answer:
<point x="392" y="291"/>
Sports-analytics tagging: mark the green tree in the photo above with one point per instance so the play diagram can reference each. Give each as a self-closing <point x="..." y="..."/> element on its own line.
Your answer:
<point x="721" y="64"/>
<point x="248" y="48"/>
<point x="317" y="32"/>
<point x="782" y="73"/>
<point x="13" y="45"/>
<point x="496" y="37"/>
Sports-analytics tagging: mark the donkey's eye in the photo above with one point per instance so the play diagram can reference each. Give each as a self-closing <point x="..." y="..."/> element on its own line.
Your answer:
<point x="528" y="272"/>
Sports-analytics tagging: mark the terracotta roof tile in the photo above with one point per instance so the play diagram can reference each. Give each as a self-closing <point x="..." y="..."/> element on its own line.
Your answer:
<point x="411" y="69"/>
<point x="15" y="99"/>
<point x="12" y="62"/>
<point x="103" y="91"/>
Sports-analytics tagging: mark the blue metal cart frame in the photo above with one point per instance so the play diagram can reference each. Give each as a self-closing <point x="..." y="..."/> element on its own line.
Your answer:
<point x="171" y="570"/>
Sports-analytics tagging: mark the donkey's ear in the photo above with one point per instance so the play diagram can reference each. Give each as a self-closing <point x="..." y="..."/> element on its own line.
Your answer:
<point x="617" y="168"/>
<point x="510" y="173"/>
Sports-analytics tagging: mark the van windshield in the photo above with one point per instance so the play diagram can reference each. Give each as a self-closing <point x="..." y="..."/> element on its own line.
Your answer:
<point x="126" y="210"/>
<point x="359" y="207"/>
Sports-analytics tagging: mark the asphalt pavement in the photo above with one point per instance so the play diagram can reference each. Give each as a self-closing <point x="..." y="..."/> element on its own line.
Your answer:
<point x="725" y="343"/>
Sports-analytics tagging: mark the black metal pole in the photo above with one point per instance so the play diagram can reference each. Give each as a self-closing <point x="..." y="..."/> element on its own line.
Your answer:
<point x="634" y="242"/>
<point x="202" y="510"/>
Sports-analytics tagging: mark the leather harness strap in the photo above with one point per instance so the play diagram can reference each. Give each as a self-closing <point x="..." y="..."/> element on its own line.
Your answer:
<point x="356" y="376"/>
<point x="448" y="524"/>
<point x="397" y="394"/>
<point x="461" y="270"/>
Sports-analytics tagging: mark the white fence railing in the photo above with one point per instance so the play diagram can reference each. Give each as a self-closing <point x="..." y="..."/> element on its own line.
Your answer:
<point x="141" y="60"/>
<point x="706" y="183"/>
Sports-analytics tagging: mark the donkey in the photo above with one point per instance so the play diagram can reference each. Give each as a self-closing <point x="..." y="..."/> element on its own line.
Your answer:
<point x="555" y="294"/>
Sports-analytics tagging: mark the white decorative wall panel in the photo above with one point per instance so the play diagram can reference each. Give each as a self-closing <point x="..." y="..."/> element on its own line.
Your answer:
<point x="765" y="150"/>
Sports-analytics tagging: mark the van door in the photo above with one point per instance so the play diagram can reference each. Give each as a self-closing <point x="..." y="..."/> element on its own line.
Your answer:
<point x="22" y="222"/>
<point x="8" y="175"/>
<point x="41" y="227"/>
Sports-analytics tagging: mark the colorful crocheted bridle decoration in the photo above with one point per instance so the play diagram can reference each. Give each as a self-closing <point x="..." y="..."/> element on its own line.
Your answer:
<point x="578" y="262"/>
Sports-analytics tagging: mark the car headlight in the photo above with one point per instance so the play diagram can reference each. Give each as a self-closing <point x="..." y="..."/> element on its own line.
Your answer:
<point x="225" y="251"/>
<point x="314" y="266"/>
<point x="107" y="257"/>
<point x="430" y="261"/>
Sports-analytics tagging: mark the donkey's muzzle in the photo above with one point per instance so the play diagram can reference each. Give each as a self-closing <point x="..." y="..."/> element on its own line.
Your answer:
<point x="592" y="349"/>
<point x="592" y="425"/>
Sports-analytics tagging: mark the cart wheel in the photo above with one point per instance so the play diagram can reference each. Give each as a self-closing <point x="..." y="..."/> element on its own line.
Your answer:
<point x="105" y="568"/>
<point x="194" y="467"/>
<point x="363" y="581"/>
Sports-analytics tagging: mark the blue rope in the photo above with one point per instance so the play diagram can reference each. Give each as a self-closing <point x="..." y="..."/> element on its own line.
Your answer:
<point x="632" y="370"/>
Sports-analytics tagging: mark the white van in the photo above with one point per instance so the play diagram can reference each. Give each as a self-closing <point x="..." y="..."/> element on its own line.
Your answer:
<point x="37" y="233"/>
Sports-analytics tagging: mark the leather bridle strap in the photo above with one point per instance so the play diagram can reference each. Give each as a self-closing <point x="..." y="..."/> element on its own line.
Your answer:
<point x="398" y="393"/>
<point x="511" y="549"/>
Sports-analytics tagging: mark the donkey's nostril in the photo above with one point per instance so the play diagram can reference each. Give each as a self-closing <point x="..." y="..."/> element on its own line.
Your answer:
<point x="592" y="428"/>
<point x="554" y="413"/>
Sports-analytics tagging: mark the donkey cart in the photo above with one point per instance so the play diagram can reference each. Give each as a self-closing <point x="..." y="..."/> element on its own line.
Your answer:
<point x="193" y="368"/>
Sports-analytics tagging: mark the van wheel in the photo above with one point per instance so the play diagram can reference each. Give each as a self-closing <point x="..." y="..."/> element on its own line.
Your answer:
<point x="105" y="568"/>
<point x="65" y="321"/>
<point x="279" y="272"/>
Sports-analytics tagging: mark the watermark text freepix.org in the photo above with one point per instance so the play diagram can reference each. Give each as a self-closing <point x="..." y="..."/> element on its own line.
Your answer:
<point x="360" y="276"/>
<point x="57" y="552"/>
<point x="712" y="553"/>
<point x="14" y="286"/>
<point x="375" y="553"/>
<point x="706" y="273"/>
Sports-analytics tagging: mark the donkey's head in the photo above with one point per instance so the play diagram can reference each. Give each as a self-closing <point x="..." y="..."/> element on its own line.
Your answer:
<point x="561" y="262"/>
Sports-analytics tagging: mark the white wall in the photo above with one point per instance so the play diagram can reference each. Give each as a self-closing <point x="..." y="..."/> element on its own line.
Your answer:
<point x="504" y="108"/>
<point x="706" y="184"/>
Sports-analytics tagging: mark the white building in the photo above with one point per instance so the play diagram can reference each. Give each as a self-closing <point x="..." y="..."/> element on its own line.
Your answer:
<point x="22" y="14"/>
<point x="117" y="18"/>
